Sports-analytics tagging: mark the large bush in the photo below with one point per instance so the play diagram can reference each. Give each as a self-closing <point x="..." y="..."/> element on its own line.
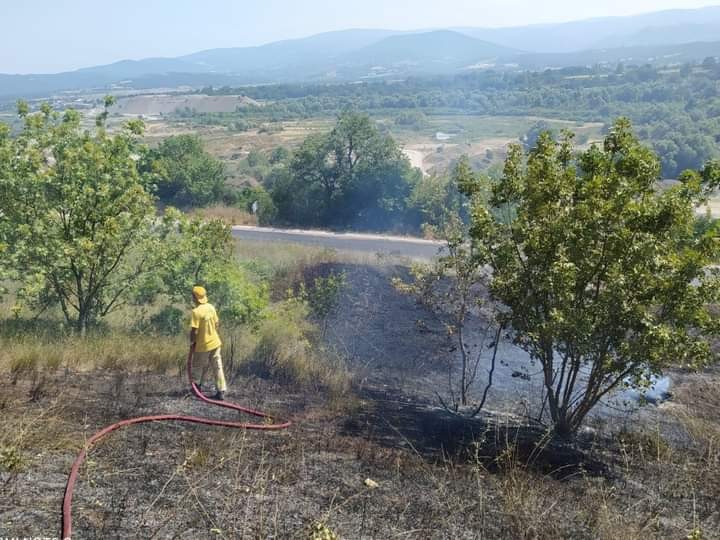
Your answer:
<point x="186" y="174"/>
<point x="604" y="278"/>
<point x="194" y="251"/>
<point x="352" y="176"/>
<point x="76" y="218"/>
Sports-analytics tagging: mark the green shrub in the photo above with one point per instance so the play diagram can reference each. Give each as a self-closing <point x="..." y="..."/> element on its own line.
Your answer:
<point x="236" y="297"/>
<point x="320" y="531"/>
<point x="266" y="209"/>
<point x="287" y="350"/>
<point x="322" y="296"/>
<point x="168" y="322"/>
<point x="284" y="350"/>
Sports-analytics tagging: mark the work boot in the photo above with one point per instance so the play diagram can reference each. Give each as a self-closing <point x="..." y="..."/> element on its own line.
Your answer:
<point x="219" y="396"/>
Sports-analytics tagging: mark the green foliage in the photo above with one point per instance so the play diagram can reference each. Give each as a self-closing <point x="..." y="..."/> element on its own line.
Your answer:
<point x="415" y="120"/>
<point x="186" y="175"/>
<point x="248" y="196"/>
<point x="435" y="199"/>
<point x="256" y="159"/>
<point x="320" y="531"/>
<point x="323" y="296"/>
<point x="707" y="226"/>
<point x="234" y="294"/>
<point x="191" y="252"/>
<point x="76" y="218"/>
<point x="284" y="348"/>
<point x="530" y="139"/>
<point x="439" y="201"/>
<point x="280" y="155"/>
<point x="676" y="110"/>
<point x="168" y="321"/>
<point x="352" y="176"/>
<point x="256" y="165"/>
<point x="287" y="350"/>
<point x="602" y="276"/>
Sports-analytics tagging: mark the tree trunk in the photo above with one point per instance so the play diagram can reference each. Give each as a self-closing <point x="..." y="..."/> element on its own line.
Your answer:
<point x="563" y="427"/>
<point x="463" y="355"/>
<point x="82" y="322"/>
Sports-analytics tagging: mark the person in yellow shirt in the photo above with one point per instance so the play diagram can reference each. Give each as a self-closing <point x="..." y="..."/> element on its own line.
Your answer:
<point x="204" y="324"/>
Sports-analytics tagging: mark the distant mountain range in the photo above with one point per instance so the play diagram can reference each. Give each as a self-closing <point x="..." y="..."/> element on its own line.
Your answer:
<point x="661" y="37"/>
<point x="658" y="28"/>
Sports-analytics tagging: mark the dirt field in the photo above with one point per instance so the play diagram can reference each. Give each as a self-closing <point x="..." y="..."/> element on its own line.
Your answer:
<point x="438" y="157"/>
<point x="155" y="105"/>
<point x="654" y="474"/>
<point x="231" y="147"/>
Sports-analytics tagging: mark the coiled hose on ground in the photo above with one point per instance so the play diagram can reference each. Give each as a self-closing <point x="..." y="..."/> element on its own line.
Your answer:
<point x="66" y="525"/>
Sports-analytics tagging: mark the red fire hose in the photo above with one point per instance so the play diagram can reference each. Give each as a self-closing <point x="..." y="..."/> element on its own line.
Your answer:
<point x="72" y="479"/>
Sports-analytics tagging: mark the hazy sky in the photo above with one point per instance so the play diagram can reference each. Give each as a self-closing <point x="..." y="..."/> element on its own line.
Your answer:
<point x="40" y="36"/>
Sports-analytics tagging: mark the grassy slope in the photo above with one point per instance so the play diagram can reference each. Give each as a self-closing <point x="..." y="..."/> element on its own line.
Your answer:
<point x="656" y="477"/>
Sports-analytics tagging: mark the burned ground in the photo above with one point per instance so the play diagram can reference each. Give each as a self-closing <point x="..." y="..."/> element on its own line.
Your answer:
<point x="653" y="474"/>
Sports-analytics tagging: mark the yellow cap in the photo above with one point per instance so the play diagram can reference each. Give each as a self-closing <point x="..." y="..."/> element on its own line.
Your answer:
<point x="200" y="294"/>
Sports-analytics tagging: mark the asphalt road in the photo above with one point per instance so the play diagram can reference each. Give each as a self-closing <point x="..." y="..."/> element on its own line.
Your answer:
<point x="414" y="248"/>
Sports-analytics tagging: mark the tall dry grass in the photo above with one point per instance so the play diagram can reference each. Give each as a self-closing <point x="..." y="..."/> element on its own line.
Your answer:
<point x="228" y="214"/>
<point x="23" y="355"/>
<point x="288" y="349"/>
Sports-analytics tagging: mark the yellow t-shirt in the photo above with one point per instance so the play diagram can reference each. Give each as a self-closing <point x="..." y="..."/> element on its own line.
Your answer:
<point x="204" y="319"/>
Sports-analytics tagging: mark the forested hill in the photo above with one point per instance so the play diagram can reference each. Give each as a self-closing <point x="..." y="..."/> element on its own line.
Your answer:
<point x="661" y="38"/>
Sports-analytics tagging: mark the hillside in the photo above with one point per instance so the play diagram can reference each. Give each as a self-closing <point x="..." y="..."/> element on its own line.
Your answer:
<point x="658" y="55"/>
<point x="431" y="51"/>
<point x="296" y="53"/>
<point x="606" y="32"/>
<point x="350" y="55"/>
<point x="665" y="35"/>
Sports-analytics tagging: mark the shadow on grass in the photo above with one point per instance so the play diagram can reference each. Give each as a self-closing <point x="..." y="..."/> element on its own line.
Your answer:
<point x="497" y="444"/>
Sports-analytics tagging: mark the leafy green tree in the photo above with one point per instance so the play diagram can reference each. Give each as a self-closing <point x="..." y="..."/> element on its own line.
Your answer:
<point x="266" y="210"/>
<point x="438" y="200"/>
<point x="256" y="159"/>
<point x="7" y="151"/>
<point x="707" y="225"/>
<point x="351" y="176"/>
<point x="412" y="119"/>
<point x="187" y="175"/>
<point x="194" y="251"/>
<point x="76" y="218"/>
<point x="305" y="194"/>
<point x="602" y="275"/>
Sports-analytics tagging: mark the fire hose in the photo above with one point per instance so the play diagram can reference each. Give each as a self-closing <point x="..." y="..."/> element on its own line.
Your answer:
<point x="66" y="524"/>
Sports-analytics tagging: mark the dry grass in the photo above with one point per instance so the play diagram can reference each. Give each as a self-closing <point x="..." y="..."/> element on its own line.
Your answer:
<point x="283" y="265"/>
<point x="22" y="356"/>
<point x="247" y="485"/>
<point x="287" y="349"/>
<point x="227" y="214"/>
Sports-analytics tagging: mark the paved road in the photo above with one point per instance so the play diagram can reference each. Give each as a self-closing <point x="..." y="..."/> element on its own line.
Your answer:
<point x="414" y="248"/>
